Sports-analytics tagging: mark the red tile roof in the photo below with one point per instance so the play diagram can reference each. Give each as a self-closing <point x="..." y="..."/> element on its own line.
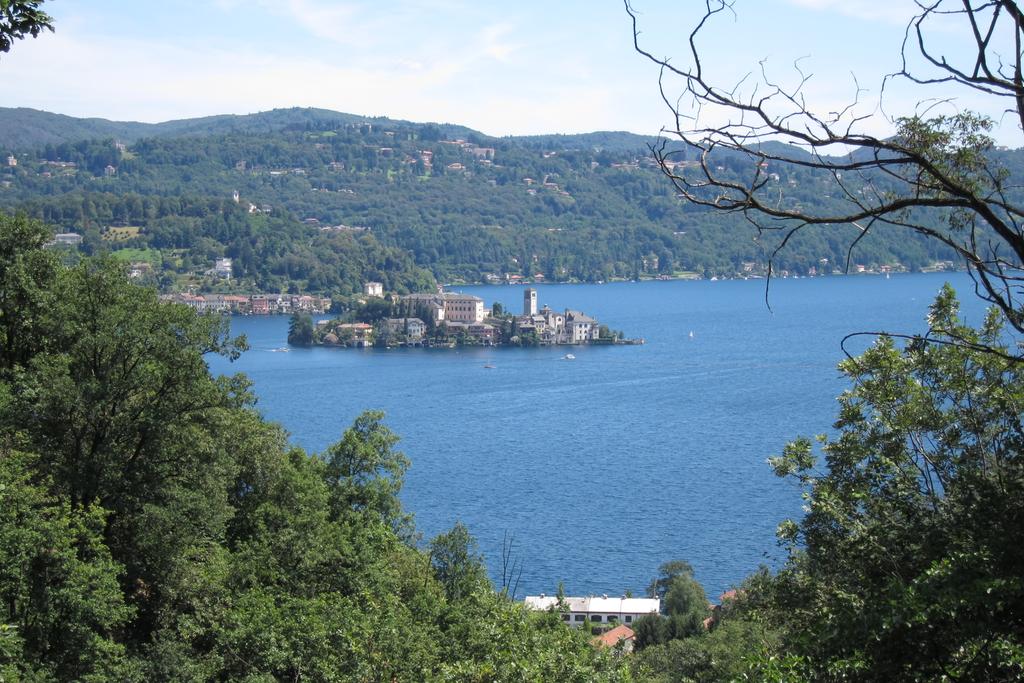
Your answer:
<point x="612" y="638"/>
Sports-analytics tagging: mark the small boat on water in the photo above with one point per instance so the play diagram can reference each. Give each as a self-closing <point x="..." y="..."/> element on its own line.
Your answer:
<point x="568" y="356"/>
<point x="281" y="349"/>
<point x="489" y="366"/>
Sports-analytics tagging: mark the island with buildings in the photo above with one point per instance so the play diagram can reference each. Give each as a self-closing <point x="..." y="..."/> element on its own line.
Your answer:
<point x="449" y="319"/>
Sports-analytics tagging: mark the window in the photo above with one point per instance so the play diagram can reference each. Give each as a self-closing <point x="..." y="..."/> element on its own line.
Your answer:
<point x="629" y="618"/>
<point x="579" y="617"/>
<point x="595" y="617"/>
<point x="612" y="617"/>
<point x="565" y="617"/>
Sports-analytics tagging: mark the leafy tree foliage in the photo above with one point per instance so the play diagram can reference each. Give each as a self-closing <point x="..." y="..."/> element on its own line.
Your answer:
<point x="154" y="528"/>
<point x="59" y="590"/>
<point x="20" y="18"/>
<point x="682" y="600"/>
<point x="650" y="630"/>
<point x="26" y="275"/>
<point x="457" y="563"/>
<point x="300" y="330"/>
<point x="907" y="564"/>
<point x="723" y="654"/>
<point x="365" y="470"/>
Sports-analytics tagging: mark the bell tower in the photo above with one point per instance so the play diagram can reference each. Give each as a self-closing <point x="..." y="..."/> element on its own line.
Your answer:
<point x="530" y="301"/>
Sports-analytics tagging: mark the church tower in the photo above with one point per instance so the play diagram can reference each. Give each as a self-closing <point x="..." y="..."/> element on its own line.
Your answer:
<point x="530" y="301"/>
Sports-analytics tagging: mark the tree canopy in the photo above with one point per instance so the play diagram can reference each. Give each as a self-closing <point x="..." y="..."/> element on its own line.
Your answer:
<point x="153" y="527"/>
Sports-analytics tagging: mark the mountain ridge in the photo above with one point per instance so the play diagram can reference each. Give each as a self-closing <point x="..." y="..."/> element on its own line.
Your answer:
<point x="24" y="128"/>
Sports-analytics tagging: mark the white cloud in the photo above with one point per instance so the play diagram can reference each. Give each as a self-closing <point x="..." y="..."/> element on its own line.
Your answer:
<point x="492" y="42"/>
<point x="330" y="21"/>
<point x="492" y="71"/>
<point x="137" y="80"/>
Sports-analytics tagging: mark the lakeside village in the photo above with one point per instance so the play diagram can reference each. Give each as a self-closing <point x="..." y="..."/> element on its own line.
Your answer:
<point x="448" y="319"/>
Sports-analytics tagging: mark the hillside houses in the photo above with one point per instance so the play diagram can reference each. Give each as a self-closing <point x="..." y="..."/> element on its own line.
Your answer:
<point x="251" y="304"/>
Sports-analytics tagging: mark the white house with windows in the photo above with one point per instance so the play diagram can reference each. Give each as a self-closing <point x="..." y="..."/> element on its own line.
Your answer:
<point x="579" y="327"/>
<point x="414" y="328"/>
<point x="596" y="610"/>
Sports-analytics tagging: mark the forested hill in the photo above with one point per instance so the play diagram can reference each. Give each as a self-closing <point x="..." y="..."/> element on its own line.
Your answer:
<point x="327" y="200"/>
<point x="23" y="128"/>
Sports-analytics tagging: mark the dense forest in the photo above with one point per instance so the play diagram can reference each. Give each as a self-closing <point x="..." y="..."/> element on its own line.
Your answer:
<point x="326" y="200"/>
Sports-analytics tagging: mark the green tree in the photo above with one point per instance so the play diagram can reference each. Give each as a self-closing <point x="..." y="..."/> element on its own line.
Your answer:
<point x="725" y="654"/>
<point x="27" y="273"/>
<point x="300" y="330"/>
<point x="61" y="607"/>
<point x="20" y="18"/>
<point x="686" y="605"/>
<point x="907" y="564"/>
<point x="683" y="605"/>
<point x="457" y="564"/>
<point x="374" y="310"/>
<point x="366" y="472"/>
<point x="495" y="639"/>
<point x="668" y="572"/>
<point x="650" y="629"/>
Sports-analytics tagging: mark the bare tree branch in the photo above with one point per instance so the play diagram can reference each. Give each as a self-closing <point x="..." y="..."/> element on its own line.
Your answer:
<point x="935" y="176"/>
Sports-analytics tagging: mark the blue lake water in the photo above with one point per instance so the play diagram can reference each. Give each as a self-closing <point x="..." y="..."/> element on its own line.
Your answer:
<point x="603" y="467"/>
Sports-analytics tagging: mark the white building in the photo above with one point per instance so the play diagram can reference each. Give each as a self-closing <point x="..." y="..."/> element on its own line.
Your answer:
<point x="222" y="268"/>
<point x="138" y="269"/>
<point x="216" y="303"/>
<point x="373" y="289"/>
<point x="579" y="328"/>
<point x="70" y="238"/>
<point x="597" y="609"/>
<point x="463" y="308"/>
<point x="413" y="328"/>
<point x="554" y="320"/>
<point x="196" y="302"/>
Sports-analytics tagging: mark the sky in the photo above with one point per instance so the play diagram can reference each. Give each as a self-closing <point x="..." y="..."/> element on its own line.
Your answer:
<point x="503" y="68"/>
